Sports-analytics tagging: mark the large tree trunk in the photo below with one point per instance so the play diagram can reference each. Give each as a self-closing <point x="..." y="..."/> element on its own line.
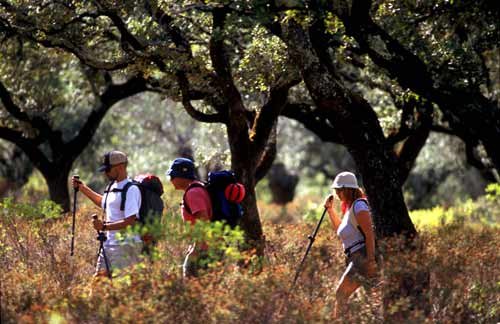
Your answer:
<point x="244" y="164"/>
<point x="357" y="127"/>
<point x="57" y="181"/>
<point x="381" y="180"/>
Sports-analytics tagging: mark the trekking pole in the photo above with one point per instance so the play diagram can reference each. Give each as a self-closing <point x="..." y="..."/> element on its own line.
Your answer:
<point x="299" y="269"/>
<point x="75" y="191"/>
<point x="311" y="241"/>
<point x="101" y="237"/>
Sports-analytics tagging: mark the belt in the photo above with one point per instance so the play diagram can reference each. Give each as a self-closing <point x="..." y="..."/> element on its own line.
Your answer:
<point x="348" y="250"/>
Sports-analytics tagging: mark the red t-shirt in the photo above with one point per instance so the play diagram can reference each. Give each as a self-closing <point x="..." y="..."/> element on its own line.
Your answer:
<point x="198" y="200"/>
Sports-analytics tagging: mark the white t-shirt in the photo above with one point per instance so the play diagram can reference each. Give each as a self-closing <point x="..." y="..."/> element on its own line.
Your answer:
<point x="350" y="235"/>
<point x="113" y="212"/>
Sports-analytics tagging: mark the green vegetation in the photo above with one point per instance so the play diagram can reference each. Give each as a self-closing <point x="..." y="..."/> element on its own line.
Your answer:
<point x="480" y="212"/>
<point x="42" y="283"/>
<point x="404" y="93"/>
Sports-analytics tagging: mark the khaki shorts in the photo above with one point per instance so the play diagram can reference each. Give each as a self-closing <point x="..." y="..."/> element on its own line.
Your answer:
<point x="119" y="256"/>
<point x="357" y="269"/>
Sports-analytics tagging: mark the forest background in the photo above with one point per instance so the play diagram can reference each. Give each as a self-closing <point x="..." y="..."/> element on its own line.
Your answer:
<point x="286" y="93"/>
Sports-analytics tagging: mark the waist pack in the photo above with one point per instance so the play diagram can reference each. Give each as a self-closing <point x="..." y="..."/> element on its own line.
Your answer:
<point x="226" y="195"/>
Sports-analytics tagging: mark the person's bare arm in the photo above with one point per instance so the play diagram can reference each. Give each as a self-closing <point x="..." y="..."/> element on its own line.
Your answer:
<point x="91" y="194"/>
<point x="114" y="226"/>
<point x="364" y="220"/>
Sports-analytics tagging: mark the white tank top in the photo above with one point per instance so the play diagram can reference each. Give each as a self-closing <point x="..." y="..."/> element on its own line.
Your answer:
<point x="349" y="234"/>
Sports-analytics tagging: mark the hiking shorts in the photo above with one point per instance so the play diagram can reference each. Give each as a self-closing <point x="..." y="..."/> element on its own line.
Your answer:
<point x="119" y="256"/>
<point x="357" y="269"/>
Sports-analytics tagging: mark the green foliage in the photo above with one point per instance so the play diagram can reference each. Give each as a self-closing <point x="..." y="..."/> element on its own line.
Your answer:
<point x="43" y="209"/>
<point x="42" y="282"/>
<point x="493" y="192"/>
<point x="220" y="239"/>
<point x="450" y="36"/>
<point x="313" y="212"/>
<point x="264" y="61"/>
<point x="483" y="211"/>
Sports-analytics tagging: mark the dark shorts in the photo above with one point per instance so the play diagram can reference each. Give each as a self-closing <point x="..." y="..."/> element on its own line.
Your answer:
<point x="357" y="269"/>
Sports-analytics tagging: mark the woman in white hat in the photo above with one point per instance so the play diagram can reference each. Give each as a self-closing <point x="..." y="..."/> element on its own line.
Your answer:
<point x="355" y="230"/>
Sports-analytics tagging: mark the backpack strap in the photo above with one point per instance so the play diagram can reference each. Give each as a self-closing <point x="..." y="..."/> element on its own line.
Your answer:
<point x="195" y="184"/>
<point x="107" y="191"/>
<point x="124" y="193"/>
<point x="352" y="216"/>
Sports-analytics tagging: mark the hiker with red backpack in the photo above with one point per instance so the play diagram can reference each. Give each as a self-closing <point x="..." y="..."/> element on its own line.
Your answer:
<point x="218" y="199"/>
<point x="118" y="252"/>
<point x="355" y="230"/>
<point x="196" y="206"/>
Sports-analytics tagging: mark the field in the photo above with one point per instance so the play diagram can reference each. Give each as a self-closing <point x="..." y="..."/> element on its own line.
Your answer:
<point x="41" y="282"/>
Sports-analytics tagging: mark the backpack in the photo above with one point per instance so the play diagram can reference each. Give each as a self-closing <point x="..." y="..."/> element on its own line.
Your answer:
<point x="151" y="190"/>
<point x="352" y="217"/>
<point x="225" y="194"/>
<point x="354" y="222"/>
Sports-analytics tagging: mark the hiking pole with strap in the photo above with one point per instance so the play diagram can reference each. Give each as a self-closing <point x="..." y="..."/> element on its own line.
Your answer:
<point x="311" y="241"/>
<point x="75" y="191"/>
<point x="101" y="237"/>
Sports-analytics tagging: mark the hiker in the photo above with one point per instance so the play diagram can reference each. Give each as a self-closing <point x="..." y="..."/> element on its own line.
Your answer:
<point x="196" y="207"/>
<point x="124" y="251"/>
<point x="356" y="233"/>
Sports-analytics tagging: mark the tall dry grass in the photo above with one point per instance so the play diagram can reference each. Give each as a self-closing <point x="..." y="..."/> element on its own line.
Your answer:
<point x="41" y="282"/>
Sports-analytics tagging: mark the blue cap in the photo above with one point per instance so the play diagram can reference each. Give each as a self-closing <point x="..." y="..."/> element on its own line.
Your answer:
<point x="182" y="168"/>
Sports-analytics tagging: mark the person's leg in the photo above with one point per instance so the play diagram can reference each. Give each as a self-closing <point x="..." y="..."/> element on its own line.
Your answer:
<point x="119" y="257"/>
<point x="125" y="256"/>
<point x="189" y="267"/>
<point x="347" y="285"/>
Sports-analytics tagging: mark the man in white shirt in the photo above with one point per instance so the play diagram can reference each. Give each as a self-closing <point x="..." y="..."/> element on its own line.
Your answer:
<point x="121" y="250"/>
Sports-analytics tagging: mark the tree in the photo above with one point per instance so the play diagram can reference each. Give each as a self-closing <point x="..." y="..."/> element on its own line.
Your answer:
<point x="15" y="168"/>
<point x="445" y="48"/>
<point x="165" y="51"/>
<point x="42" y="117"/>
<point x="356" y="126"/>
<point x="224" y="63"/>
<point x="282" y="184"/>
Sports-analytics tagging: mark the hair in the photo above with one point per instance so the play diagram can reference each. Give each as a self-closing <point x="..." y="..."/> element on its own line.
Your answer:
<point x="352" y="194"/>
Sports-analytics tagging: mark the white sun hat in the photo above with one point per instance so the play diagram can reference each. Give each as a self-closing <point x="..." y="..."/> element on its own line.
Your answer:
<point x="345" y="180"/>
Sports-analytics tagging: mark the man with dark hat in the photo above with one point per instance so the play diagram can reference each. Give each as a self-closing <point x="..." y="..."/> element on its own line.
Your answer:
<point x="121" y="250"/>
<point x="196" y="206"/>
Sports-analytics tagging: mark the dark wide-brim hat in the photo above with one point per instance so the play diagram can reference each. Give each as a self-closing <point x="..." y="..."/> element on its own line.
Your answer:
<point x="112" y="158"/>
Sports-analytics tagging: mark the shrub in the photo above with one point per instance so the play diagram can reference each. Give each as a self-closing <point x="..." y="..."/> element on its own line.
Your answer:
<point x="42" y="283"/>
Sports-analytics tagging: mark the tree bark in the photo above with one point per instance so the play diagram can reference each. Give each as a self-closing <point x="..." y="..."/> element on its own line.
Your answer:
<point x="357" y="128"/>
<point x="57" y="182"/>
<point x="244" y="164"/>
<point x="468" y="110"/>
<point x="56" y="169"/>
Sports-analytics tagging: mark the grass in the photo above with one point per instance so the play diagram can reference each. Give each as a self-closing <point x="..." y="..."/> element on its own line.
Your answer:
<point x="42" y="283"/>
